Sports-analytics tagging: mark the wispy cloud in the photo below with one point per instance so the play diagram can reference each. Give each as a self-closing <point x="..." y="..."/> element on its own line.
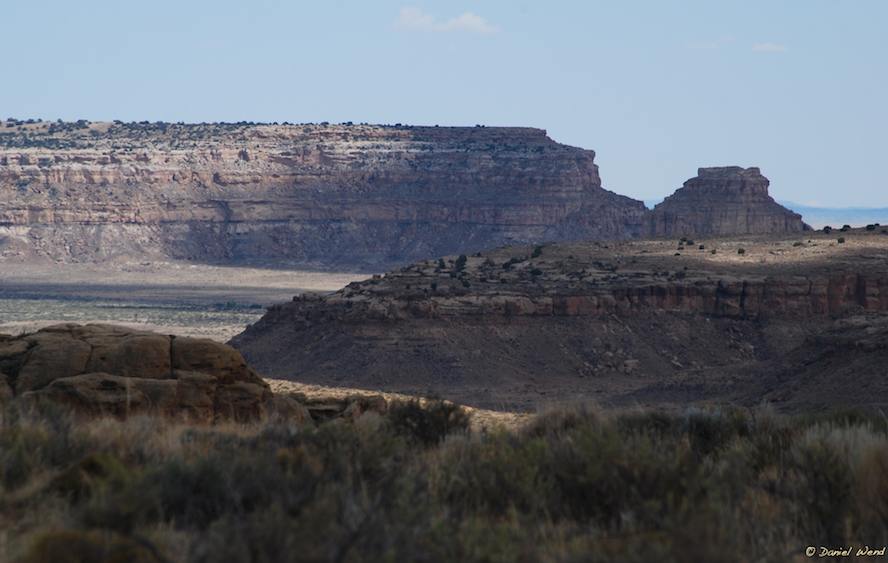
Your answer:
<point x="414" y="19"/>
<point x="769" y="48"/>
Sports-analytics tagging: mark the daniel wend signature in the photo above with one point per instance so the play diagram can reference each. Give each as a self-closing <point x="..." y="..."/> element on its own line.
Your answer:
<point x="865" y="551"/>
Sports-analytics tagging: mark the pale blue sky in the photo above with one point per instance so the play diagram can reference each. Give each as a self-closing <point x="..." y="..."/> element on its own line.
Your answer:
<point x="657" y="88"/>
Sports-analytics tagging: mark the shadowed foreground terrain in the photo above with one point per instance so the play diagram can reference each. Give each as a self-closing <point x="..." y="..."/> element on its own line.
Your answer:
<point x="416" y="484"/>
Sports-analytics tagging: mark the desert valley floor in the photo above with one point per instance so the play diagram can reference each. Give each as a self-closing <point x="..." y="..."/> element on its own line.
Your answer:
<point x="172" y="297"/>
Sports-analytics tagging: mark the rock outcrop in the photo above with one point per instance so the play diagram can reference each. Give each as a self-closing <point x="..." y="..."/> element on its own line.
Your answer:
<point x="109" y="370"/>
<point x="354" y="195"/>
<point x="723" y="201"/>
<point x="574" y="318"/>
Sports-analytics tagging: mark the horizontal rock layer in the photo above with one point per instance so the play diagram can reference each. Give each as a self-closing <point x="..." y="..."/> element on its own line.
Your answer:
<point x="563" y="319"/>
<point x="349" y="194"/>
<point x="726" y="200"/>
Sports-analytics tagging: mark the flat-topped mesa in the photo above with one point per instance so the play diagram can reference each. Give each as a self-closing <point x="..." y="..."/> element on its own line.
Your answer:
<point x="364" y="195"/>
<point x="726" y="200"/>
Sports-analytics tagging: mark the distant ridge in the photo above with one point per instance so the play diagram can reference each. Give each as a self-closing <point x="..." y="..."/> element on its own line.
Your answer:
<point x="818" y="217"/>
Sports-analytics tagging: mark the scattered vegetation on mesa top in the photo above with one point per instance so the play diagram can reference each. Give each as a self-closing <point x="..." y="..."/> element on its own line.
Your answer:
<point x="460" y="263"/>
<point x="415" y="484"/>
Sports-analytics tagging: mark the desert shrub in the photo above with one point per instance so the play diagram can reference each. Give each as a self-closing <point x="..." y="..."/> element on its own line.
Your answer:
<point x="493" y="476"/>
<point x="537" y="251"/>
<point x="844" y="418"/>
<point x="512" y="261"/>
<point x="820" y="483"/>
<point x="460" y="263"/>
<point x="76" y="546"/>
<point x="35" y="438"/>
<point x="606" y="478"/>
<point x="576" y="483"/>
<point x="558" y="420"/>
<point x="871" y="492"/>
<point x="710" y="431"/>
<point x="653" y="423"/>
<point x="427" y="423"/>
<point x="90" y="474"/>
<point x="741" y="251"/>
<point x="841" y="240"/>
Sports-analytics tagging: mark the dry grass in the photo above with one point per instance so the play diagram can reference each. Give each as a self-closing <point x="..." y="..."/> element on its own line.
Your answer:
<point x="482" y="419"/>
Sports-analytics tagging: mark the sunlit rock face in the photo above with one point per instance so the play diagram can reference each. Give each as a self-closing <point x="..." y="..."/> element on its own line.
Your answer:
<point x="309" y="194"/>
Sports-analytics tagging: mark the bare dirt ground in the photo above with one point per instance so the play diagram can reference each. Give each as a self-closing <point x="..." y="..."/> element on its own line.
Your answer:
<point x="482" y="419"/>
<point x="169" y="297"/>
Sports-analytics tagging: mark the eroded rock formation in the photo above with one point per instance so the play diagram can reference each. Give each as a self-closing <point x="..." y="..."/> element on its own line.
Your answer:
<point x="498" y="327"/>
<point x="727" y="200"/>
<point x="109" y="370"/>
<point x="324" y="194"/>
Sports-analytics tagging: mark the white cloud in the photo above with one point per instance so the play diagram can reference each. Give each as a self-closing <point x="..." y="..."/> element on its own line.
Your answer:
<point x="414" y="19"/>
<point x="769" y="48"/>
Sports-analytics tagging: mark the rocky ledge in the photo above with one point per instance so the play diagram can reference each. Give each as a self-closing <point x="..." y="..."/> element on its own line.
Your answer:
<point x="109" y="370"/>
<point x="496" y="328"/>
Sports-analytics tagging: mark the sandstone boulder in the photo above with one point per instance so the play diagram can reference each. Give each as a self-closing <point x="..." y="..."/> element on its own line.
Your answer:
<point x="290" y="407"/>
<point x="110" y="370"/>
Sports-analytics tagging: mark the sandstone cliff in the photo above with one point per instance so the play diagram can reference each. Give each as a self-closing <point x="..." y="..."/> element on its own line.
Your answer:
<point x="723" y="201"/>
<point x="324" y="194"/>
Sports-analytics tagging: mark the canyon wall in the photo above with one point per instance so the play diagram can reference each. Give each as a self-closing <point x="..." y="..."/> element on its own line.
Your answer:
<point x="324" y="194"/>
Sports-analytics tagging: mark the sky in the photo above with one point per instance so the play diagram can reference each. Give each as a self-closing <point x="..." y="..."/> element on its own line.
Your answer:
<point x="657" y="89"/>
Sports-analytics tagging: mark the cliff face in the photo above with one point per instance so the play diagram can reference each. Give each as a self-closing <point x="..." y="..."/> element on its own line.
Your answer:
<point x="356" y="195"/>
<point x="547" y="318"/>
<point x="723" y="201"/>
